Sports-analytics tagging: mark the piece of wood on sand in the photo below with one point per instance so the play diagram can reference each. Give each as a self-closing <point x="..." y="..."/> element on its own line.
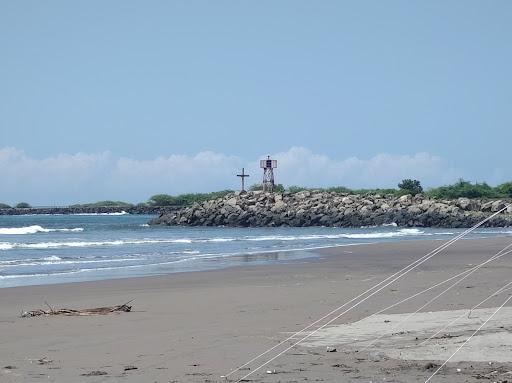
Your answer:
<point x="83" y="312"/>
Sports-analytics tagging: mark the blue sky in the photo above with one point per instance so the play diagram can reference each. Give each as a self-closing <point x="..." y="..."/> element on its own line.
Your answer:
<point x="358" y="93"/>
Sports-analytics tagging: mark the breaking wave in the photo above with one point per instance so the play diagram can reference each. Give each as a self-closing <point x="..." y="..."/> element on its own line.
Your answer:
<point x="56" y="245"/>
<point x="115" y="213"/>
<point x="374" y="235"/>
<point x="288" y="238"/>
<point x="33" y="230"/>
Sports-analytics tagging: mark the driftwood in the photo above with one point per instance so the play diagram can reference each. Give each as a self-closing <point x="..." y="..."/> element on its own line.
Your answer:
<point x="84" y="312"/>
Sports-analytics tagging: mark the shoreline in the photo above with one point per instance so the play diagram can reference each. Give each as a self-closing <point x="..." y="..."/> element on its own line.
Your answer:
<point x="317" y="253"/>
<point x="268" y="253"/>
<point x="197" y="326"/>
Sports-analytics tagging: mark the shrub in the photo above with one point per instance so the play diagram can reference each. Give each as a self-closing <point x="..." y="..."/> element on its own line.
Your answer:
<point x="466" y="189"/>
<point x="296" y="189"/>
<point x="4" y="206"/>
<point x="162" y="200"/>
<point x="374" y="191"/>
<point x="23" y="205"/>
<point x="279" y="188"/>
<point x="256" y="187"/>
<point x="103" y="204"/>
<point x="410" y="186"/>
<point x="185" y="199"/>
<point x="338" y="189"/>
<point x="505" y="189"/>
<point x="343" y="189"/>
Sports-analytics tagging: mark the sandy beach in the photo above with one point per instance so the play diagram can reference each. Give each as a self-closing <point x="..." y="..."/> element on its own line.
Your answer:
<point x="198" y="326"/>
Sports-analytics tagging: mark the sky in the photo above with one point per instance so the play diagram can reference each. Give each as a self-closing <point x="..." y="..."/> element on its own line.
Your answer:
<point x="125" y="99"/>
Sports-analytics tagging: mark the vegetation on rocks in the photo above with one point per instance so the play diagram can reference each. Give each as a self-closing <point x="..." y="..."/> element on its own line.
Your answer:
<point x="409" y="186"/>
<point x="185" y="199"/>
<point x="465" y="189"/>
<point x="278" y="188"/>
<point x="459" y="189"/>
<point x="103" y="204"/>
<point x="23" y="205"/>
<point x="4" y="206"/>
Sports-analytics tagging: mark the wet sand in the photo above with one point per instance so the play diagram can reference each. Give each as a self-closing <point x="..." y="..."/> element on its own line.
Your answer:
<point x="196" y="327"/>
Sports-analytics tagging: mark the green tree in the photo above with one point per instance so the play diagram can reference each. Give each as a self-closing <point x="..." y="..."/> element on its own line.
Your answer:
<point x="505" y="189"/>
<point x="411" y="186"/>
<point x="23" y="205"/>
<point x="4" y="206"/>
<point x="163" y="200"/>
<point x="279" y="188"/>
<point x="466" y="189"/>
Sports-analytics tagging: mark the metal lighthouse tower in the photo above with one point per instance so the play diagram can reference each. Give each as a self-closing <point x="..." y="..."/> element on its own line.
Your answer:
<point x="268" y="167"/>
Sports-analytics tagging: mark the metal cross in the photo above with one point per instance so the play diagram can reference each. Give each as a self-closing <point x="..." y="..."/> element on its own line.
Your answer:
<point x="242" y="176"/>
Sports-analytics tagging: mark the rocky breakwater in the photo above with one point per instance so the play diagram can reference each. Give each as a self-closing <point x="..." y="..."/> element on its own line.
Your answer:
<point x="316" y="208"/>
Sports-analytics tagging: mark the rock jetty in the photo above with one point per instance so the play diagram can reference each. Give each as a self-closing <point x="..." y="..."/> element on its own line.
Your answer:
<point x="318" y="208"/>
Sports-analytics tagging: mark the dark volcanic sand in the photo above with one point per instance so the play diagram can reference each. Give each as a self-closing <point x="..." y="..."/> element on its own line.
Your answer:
<point x="195" y="327"/>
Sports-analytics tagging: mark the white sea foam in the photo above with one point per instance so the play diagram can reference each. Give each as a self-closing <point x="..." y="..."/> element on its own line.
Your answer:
<point x="221" y="240"/>
<point x="373" y="235"/>
<point x="288" y="238"/>
<point x="52" y="258"/>
<point x="179" y="240"/>
<point x="494" y="232"/>
<point x="55" y="245"/>
<point x="33" y="230"/>
<point x="57" y="262"/>
<point x="115" y="213"/>
<point x="6" y="246"/>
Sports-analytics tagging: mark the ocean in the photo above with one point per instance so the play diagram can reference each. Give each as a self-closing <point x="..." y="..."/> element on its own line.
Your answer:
<point x="43" y="249"/>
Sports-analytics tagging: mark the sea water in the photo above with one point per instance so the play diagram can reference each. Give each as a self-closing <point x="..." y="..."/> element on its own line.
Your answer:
<point x="42" y="249"/>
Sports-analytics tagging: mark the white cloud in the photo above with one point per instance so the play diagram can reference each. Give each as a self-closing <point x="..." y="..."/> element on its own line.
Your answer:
<point x="300" y="166"/>
<point x="80" y="177"/>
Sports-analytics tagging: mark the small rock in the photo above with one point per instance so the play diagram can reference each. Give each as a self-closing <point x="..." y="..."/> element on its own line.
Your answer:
<point x="429" y="366"/>
<point x="331" y="349"/>
<point x="128" y="368"/>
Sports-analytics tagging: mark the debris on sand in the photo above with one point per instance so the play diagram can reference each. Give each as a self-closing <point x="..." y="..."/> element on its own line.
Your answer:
<point x="84" y="312"/>
<point x="44" y="360"/>
<point x="95" y="373"/>
<point x="128" y="368"/>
